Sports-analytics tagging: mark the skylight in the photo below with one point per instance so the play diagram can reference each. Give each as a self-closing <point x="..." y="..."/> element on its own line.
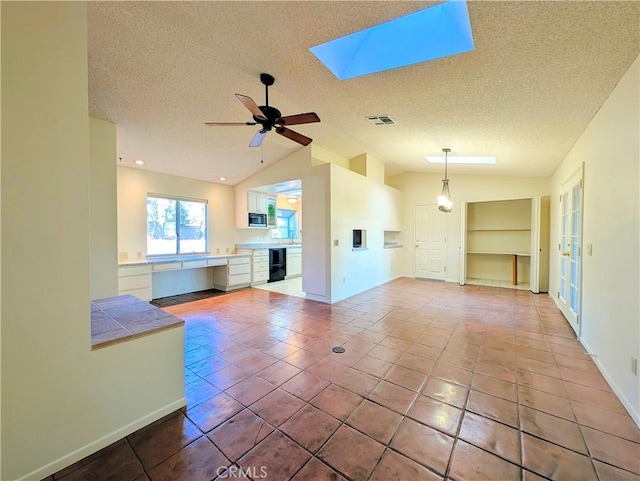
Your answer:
<point x="461" y="159"/>
<point x="435" y="32"/>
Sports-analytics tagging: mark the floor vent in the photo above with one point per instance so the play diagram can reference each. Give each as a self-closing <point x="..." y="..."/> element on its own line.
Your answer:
<point x="381" y="120"/>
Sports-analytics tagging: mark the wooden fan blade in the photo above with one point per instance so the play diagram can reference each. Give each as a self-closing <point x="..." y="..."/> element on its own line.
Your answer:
<point x="251" y="105"/>
<point x="307" y="118"/>
<point x="258" y="138"/>
<point x="295" y="136"/>
<point x="215" y="124"/>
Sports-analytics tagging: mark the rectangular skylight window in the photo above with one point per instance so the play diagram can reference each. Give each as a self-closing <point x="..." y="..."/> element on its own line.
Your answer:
<point x="461" y="159"/>
<point x="435" y="32"/>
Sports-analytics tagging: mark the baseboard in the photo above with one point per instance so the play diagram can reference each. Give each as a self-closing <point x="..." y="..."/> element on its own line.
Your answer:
<point x="635" y="415"/>
<point x="103" y="442"/>
<point x="314" y="297"/>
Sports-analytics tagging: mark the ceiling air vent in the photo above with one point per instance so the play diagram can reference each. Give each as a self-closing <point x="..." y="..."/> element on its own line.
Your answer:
<point x="381" y="120"/>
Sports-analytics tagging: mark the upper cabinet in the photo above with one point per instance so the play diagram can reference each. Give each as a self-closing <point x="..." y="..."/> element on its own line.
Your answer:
<point x="257" y="202"/>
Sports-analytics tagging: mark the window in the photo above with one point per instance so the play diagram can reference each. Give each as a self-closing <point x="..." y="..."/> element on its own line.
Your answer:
<point x="164" y="214"/>
<point x="286" y="225"/>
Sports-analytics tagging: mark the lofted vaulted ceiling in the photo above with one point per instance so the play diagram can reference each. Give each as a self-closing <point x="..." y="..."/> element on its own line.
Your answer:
<point x="538" y="74"/>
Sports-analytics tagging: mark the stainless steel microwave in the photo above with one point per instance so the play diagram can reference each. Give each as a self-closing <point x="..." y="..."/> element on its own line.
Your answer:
<point x="257" y="220"/>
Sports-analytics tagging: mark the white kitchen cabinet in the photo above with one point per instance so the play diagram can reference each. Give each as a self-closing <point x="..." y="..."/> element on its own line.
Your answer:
<point x="257" y="202"/>
<point x="294" y="262"/>
<point x="234" y="276"/>
<point x="259" y="265"/>
<point x="505" y="243"/>
<point x="135" y="280"/>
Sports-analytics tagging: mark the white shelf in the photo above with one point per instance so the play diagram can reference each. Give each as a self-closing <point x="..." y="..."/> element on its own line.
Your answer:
<point x="522" y="254"/>
<point x="495" y="283"/>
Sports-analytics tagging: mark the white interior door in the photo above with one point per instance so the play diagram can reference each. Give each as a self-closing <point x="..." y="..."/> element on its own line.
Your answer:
<point x="570" y="250"/>
<point x="431" y="242"/>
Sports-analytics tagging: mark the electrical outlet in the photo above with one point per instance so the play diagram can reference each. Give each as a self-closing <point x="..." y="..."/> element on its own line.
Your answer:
<point x="634" y="365"/>
<point x="336" y="242"/>
<point x="218" y="250"/>
<point x="123" y="256"/>
<point x="139" y="254"/>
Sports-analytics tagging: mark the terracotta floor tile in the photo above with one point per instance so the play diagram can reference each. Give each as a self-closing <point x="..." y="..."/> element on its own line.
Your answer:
<point x="337" y="401"/>
<point x="267" y="458"/>
<point x="613" y="450"/>
<point x="278" y="373"/>
<point x="447" y="392"/>
<point x="416" y="363"/>
<point x="555" y="462"/>
<point x="281" y="350"/>
<point x="545" y="402"/>
<point x="374" y="420"/>
<point x="553" y="429"/>
<point x="374" y="366"/>
<point x="305" y="385"/>
<point x="590" y="379"/>
<point x="495" y="387"/>
<point x="469" y="463"/>
<point x="595" y="397"/>
<point x="214" y="411"/>
<point x="161" y="439"/>
<point x="199" y="391"/>
<point x="541" y="382"/>
<point x="316" y="470"/>
<point x="405" y="377"/>
<point x="310" y="427"/>
<point x="539" y="367"/>
<point x="426" y="351"/>
<point x="491" y="436"/>
<point x="611" y="473"/>
<point x="424" y="445"/>
<point x="504" y="373"/>
<point x="199" y="461"/>
<point x="394" y="397"/>
<point x="620" y="425"/>
<point x="240" y="434"/>
<point x="250" y="390"/>
<point x="351" y="453"/>
<point x="394" y="466"/>
<point x="450" y="373"/>
<point x="115" y="462"/>
<point x="302" y="359"/>
<point x="277" y="406"/>
<point x="358" y="382"/>
<point x="492" y="407"/>
<point x="228" y="376"/>
<point x="436" y="414"/>
<point x="327" y="369"/>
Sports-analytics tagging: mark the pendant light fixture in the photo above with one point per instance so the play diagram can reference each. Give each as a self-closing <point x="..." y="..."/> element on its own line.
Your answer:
<point x="444" y="199"/>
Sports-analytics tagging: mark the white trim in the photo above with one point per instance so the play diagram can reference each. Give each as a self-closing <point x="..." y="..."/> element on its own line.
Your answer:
<point x="103" y="442"/>
<point x="635" y="415"/>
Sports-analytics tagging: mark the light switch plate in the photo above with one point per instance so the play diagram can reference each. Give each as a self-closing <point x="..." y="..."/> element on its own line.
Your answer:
<point x="336" y="242"/>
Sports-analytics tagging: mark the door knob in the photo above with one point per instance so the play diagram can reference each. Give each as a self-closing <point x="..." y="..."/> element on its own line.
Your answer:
<point x="566" y="254"/>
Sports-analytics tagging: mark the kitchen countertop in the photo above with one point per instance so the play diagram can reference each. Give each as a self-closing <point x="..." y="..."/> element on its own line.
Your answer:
<point x="185" y="258"/>
<point x="122" y="318"/>
<point x="272" y="245"/>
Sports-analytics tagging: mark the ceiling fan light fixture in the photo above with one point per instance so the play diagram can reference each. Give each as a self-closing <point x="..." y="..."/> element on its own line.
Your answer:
<point x="138" y="162"/>
<point x="444" y="199"/>
<point x="292" y="199"/>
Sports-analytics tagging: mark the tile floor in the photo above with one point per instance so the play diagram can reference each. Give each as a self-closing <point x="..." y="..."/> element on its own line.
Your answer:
<point x="437" y="382"/>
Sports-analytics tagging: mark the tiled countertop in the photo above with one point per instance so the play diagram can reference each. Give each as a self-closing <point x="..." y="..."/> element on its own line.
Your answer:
<point x="122" y="318"/>
<point x="184" y="258"/>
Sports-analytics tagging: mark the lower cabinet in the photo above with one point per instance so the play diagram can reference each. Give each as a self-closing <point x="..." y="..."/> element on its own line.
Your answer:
<point x="234" y="276"/>
<point x="135" y="280"/>
<point x="294" y="262"/>
<point x="259" y="265"/>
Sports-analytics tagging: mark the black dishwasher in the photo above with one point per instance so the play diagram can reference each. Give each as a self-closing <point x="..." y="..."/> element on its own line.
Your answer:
<point x="277" y="264"/>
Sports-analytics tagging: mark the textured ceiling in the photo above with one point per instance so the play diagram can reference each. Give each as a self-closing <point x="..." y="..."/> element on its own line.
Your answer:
<point x="538" y="74"/>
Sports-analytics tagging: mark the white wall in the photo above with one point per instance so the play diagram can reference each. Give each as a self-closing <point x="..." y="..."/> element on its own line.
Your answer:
<point x="60" y="400"/>
<point x="359" y="202"/>
<point x="422" y="189"/>
<point x="609" y="150"/>
<point x="102" y="193"/>
<point x="133" y="187"/>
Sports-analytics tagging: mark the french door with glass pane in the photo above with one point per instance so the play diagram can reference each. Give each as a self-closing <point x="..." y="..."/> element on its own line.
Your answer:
<point x="570" y="249"/>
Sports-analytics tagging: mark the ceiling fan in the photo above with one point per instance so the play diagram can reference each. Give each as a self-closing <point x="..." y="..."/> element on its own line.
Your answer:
<point x="270" y="118"/>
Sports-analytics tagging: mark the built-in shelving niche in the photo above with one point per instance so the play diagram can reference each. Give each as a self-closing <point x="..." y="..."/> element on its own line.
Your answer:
<point x="505" y="243"/>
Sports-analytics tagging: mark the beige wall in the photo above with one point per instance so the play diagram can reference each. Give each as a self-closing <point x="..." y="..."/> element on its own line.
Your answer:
<point x="133" y="187"/>
<point x="609" y="151"/>
<point x="60" y="400"/>
<point x="423" y="189"/>
<point x="102" y="195"/>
